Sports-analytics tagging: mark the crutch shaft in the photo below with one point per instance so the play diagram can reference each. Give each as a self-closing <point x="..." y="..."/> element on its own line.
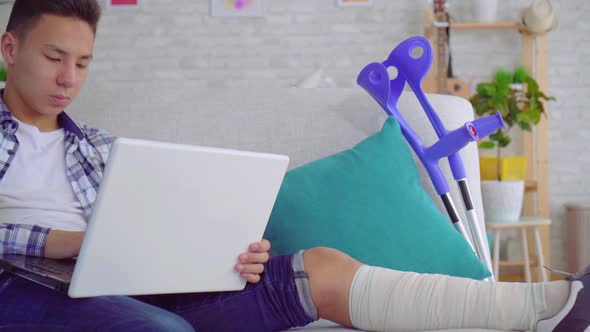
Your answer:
<point x="477" y="233"/>
<point x="455" y="220"/>
<point x="480" y="242"/>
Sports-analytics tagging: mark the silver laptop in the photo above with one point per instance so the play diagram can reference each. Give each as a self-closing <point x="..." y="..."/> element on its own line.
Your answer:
<point x="168" y="218"/>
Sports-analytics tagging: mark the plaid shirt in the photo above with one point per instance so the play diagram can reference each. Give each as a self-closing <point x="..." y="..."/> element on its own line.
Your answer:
<point x="87" y="150"/>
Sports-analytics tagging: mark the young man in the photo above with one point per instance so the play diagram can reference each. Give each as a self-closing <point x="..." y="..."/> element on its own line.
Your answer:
<point x="50" y="171"/>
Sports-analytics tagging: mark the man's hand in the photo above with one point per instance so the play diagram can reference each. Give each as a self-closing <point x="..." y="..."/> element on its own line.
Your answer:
<point x="250" y="263"/>
<point x="63" y="244"/>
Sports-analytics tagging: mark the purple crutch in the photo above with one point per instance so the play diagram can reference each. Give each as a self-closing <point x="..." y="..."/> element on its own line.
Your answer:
<point x="374" y="78"/>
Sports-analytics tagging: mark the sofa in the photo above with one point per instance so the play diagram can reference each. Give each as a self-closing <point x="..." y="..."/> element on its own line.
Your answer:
<point x="305" y="124"/>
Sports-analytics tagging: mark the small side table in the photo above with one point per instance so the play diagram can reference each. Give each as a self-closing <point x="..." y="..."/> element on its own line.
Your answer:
<point x="523" y="224"/>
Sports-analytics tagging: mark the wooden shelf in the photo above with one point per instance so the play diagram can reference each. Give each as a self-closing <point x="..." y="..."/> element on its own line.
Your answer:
<point x="519" y="277"/>
<point x="530" y="185"/>
<point x="486" y="26"/>
<point x="523" y="222"/>
<point x="532" y="261"/>
<point x="534" y="144"/>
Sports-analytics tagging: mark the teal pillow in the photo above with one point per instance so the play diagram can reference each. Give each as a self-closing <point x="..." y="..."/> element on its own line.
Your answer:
<point x="368" y="203"/>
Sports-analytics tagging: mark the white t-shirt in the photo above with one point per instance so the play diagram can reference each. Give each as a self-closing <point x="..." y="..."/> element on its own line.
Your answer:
<point x="35" y="189"/>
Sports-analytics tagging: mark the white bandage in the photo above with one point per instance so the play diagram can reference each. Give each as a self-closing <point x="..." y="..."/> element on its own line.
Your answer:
<point x="389" y="300"/>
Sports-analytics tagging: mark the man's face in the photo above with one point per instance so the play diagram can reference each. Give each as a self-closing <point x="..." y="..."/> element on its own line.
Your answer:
<point x="49" y="64"/>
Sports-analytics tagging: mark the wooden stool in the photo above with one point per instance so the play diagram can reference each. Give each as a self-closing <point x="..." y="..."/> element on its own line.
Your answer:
<point x="523" y="223"/>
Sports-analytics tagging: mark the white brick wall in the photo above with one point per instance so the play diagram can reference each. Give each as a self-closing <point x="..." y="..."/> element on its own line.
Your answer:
<point x="178" y="43"/>
<point x="569" y="75"/>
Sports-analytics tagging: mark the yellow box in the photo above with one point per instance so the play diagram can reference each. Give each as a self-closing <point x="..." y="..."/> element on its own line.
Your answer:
<point x="511" y="168"/>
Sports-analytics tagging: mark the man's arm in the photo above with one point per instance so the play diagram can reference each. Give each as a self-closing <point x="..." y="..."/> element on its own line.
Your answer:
<point x="33" y="240"/>
<point x="63" y="244"/>
<point x="23" y="239"/>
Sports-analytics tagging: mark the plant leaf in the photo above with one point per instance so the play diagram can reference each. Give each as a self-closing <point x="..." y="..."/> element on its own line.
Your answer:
<point x="525" y="126"/>
<point x="520" y="75"/>
<point x="533" y="103"/>
<point x="504" y="142"/>
<point x="532" y="87"/>
<point x="487" y="145"/>
<point x="535" y="115"/>
<point x="503" y="76"/>
<point x="523" y="108"/>
<point x="486" y="89"/>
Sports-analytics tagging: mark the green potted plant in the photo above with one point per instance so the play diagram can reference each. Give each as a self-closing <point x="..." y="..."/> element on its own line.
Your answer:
<point x="3" y="74"/>
<point x="517" y="96"/>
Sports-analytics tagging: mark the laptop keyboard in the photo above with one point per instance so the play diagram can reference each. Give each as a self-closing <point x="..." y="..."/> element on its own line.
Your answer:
<point x="52" y="266"/>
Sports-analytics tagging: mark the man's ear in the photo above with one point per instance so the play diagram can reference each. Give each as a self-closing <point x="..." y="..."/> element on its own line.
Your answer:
<point x="9" y="44"/>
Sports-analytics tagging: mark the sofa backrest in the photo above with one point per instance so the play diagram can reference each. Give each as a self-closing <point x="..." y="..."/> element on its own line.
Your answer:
<point x="305" y="124"/>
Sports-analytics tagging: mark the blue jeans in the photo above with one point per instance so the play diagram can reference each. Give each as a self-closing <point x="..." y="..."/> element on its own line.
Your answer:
<point x="273" y="304"/>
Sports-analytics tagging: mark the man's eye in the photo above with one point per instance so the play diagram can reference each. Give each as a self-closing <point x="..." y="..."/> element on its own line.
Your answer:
<point x="53" y="59"/>
<point x="81" y="66"/>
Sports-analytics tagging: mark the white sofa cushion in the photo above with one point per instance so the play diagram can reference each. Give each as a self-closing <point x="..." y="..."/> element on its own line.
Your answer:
<point x="305" y="124"/>
<point x="323" y="325"/>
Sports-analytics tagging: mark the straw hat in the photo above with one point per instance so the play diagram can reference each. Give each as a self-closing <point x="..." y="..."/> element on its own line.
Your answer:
<point x="538" y="17"/>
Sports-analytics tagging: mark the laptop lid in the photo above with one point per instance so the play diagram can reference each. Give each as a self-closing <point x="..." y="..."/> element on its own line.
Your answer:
<point x="173" y="218"/>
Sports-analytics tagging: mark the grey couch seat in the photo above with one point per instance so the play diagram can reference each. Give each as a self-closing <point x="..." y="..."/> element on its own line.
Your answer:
<point x="323" y="325"/>
<point x="306" y="124"/>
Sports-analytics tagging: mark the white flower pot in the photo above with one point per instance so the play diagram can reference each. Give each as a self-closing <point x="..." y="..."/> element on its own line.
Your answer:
<point x="485" y="10"/>
<point x="502" y="200"/>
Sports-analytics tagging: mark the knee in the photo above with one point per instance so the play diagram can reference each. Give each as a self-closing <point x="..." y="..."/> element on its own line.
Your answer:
<point x="161" y="322"/>
<point x="325" y="258"/>
<point x="127" y="314"/>
<point x="330" y="274"/>
<point x="171" y="322"/>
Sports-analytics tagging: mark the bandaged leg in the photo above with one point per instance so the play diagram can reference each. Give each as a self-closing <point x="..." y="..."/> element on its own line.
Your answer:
<point x="389" y="300"/>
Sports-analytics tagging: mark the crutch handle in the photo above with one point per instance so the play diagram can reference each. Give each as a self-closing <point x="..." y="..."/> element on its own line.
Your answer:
<point x="455" y="140"/>
<point x="452" y="142"/>
<point x="489" y="124"/>
<point x="483" y="127"/>
<point x="448" y="146"/>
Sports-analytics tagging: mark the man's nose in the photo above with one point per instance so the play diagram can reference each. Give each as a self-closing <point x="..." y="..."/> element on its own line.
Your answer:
<point x="67" y="75"/>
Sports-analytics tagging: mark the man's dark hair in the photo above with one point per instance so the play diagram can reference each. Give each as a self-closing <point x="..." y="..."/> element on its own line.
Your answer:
<point x="26" y="13"/>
